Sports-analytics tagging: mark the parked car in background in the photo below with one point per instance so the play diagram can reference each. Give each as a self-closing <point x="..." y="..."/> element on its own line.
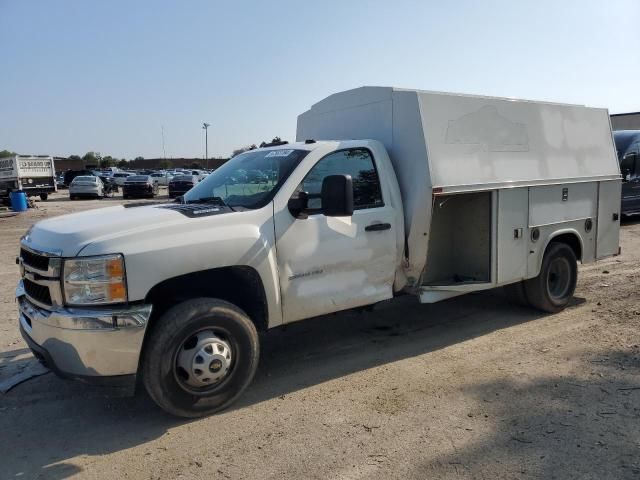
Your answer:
<point x="120" y="177"/>
<point x="200" y="174"/>
<point x="163" y="178"/>
<point x="628" y="147"/>
<point x="86" y="186"/>
<point x="110" y="186"/>
<point x="69" y="175"/>
<point x="139" y="186"/>
<point x="180" y="184"/>
<point x="60" y="181"/>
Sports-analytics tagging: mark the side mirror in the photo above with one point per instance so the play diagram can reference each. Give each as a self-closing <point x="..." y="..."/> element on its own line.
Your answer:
<point x="628" y="165"/>
<point x="298" y="205"/>
<point x="337" y="196"/>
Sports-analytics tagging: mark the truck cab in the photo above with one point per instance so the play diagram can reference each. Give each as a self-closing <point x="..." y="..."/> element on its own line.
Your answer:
<point x="628" y="148"/>
<point x="427" y="200"/>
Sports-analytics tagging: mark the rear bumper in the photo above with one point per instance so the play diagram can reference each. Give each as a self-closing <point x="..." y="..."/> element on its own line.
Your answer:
<point x="38" y="190"/>
<point x="87" y="345"/>
<point x="178" y="191"/>
<point x="137" y="192"/>
<point x="84" y="192"/>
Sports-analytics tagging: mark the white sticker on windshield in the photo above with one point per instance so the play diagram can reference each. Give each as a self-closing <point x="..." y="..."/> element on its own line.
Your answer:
<point x="278" y="153"/>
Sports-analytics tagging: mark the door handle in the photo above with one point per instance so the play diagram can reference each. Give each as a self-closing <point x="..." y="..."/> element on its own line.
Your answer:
<point x="376" y="227"/>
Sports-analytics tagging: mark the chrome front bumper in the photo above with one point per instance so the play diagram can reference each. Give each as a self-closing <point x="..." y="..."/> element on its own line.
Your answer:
<point x="85" y="343"/>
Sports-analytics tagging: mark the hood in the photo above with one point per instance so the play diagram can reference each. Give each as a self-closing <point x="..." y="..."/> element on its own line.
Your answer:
<point x="67" y="235"/>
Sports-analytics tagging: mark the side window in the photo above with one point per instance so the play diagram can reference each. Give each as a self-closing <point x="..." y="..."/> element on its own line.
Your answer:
<point x="356" y="162"/>
<point x="631" y="164"/>
<point x="636" y="149"/>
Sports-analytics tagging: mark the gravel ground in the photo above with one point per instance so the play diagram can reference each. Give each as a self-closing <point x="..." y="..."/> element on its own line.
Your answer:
<point x="468" y="388"/>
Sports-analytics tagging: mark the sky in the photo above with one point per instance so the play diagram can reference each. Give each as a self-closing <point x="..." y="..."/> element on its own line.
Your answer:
<point x="78" y="76"/>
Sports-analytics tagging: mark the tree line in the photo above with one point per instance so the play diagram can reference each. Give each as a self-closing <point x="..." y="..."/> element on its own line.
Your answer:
<point x="94" y="158"/>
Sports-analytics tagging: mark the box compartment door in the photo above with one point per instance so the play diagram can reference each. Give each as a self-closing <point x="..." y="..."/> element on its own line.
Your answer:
<point x="513" y="232"/>
<point x="609" y="197"/>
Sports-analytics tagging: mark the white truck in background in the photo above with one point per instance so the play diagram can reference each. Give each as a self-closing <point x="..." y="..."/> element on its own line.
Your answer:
<point x="386" y="191"/>
<point x="32" y="174"/>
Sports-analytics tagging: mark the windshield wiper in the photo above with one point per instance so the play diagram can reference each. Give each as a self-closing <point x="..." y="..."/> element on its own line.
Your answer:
<point x="217" y="200"/>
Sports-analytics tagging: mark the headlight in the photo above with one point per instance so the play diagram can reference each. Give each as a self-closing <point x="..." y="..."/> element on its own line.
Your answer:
<point x="94" y="280"/>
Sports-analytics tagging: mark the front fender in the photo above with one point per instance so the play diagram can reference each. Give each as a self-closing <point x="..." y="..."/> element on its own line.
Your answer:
<point x="233" y="239"/>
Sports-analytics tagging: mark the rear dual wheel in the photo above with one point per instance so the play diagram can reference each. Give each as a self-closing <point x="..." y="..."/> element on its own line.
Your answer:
<point x="199" y="357"/>
<point x="552" y="290"/>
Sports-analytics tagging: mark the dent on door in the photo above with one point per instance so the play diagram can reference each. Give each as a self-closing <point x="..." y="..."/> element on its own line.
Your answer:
<point x="329" y="264"/>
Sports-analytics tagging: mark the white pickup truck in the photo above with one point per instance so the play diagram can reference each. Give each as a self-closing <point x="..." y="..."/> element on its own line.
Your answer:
<point x="387" y="191"/>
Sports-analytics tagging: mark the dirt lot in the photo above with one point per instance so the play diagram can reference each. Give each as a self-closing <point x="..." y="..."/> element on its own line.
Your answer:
<point x="468" y="388"/>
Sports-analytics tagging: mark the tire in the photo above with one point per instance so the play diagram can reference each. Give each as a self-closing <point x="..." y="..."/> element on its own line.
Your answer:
<point x="124" y="197"/>
<point x="516" y="294"/>
<point x="72" y="197"/>
<point x="173" y="337"/>
<point x="552" y="290"/>
<point x="44" y="196"/>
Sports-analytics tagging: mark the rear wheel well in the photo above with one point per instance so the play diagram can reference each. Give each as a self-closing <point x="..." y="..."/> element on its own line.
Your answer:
<point x="570" y="239"/>
<point x="239" y="285"/>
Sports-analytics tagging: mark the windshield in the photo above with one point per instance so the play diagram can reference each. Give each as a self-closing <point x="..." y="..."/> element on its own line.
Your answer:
<point x="249" y="180"/>
<point x="624" y="139"/>
<point x="85" y="179"/>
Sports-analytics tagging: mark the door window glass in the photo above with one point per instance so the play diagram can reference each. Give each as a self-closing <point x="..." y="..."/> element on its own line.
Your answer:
<point x="630" y="164"/>
<point x="636" y="172"/>
<point x="356" y="162"/>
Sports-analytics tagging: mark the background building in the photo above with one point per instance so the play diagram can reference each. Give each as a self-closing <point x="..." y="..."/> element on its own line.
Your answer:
<point x="625" y="121"/>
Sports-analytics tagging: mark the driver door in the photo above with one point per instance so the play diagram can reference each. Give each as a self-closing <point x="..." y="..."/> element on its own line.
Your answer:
<point x="630" y="168"/>
<point x="327" y="264"/>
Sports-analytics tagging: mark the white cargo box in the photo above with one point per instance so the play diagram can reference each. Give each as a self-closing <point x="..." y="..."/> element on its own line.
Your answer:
<point x="443" y="143"/>
<point x="20" y="166"/>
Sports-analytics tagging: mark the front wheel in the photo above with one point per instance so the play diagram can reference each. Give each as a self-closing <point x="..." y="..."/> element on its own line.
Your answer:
<point x="44" y="196"/>
<point x="199" y="357"/>
<point x="552" y="290"/>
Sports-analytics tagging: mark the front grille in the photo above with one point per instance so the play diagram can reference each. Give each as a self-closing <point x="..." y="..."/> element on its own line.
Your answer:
<point x="39" y="293"/>
<point x="34" y="260"/>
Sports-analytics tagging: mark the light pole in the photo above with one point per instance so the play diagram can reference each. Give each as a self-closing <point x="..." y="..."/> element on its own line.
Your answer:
<point x="205" y="126"/>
